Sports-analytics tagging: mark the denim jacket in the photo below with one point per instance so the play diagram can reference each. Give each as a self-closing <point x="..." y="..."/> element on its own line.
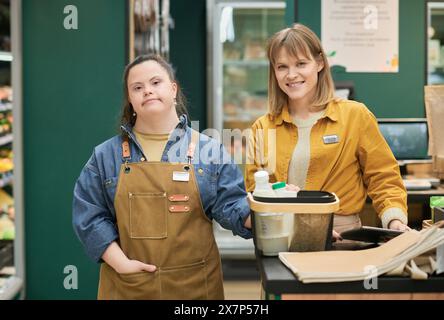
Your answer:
<point x="221" y="186"/>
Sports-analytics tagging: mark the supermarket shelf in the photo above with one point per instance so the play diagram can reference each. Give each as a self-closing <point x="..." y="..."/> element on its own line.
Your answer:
<point x="10" y="287"/>
<point x="7" y="179"/>
<point x="5" y="106"/>
<point x="5" y="56"/>
<point x="6" y="139"/>
<point x="6" y="253"/>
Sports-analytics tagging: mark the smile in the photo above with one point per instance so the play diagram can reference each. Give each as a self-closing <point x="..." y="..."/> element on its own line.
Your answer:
<point x="295" y="84"/>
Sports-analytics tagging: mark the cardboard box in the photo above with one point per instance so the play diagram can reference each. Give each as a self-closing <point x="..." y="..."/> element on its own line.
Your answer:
<point x="438" y="166"/>
<point x="438" y="214"/>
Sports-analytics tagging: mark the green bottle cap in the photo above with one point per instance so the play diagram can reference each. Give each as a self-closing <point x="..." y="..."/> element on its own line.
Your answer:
<point x="278" y="185"/>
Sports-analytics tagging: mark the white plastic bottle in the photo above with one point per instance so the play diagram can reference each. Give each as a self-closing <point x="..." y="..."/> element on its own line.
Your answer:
<point x="262" y="188"/>
<point x="280" y="189"/>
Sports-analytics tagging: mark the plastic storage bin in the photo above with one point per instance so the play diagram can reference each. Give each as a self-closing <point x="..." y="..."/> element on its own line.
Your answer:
<point x="302" y="223"/>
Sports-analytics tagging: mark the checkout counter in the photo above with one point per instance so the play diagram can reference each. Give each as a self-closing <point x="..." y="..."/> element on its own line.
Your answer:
<point x="418" y="201"/>
<point x="279" y="283"/>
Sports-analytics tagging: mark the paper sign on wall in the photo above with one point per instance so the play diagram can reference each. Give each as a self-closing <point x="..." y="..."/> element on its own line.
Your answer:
<point x="361" y="35"/>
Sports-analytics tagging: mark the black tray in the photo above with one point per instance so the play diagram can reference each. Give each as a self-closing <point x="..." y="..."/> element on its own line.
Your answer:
<point x="370" y="234"/>
<point x="304" y="196"/>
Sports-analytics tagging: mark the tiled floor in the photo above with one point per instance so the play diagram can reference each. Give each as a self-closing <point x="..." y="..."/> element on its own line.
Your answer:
<point x="242" y="290"/>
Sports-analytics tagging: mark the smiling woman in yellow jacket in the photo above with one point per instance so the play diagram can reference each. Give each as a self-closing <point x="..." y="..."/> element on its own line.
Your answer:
<point x="320" y="142"/>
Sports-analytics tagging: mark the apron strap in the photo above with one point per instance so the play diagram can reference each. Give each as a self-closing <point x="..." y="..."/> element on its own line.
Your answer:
<point x="192" y="145"/>
<point x="126" y="152"/>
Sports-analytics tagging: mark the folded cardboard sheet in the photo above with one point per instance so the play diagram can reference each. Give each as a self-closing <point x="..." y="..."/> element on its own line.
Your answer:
<point x="335" y="266"/>
<point x="434" y="102"/>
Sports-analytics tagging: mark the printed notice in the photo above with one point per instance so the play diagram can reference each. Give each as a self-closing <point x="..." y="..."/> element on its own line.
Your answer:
<point x="361" y="35"/>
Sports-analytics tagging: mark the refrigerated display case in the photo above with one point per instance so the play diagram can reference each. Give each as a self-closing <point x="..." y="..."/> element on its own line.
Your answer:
<point x="11" y="186"/>
<point x="237" y="80"/>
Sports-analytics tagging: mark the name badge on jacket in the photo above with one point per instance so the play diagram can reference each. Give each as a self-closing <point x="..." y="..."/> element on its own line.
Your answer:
<point x="330" y="139"/>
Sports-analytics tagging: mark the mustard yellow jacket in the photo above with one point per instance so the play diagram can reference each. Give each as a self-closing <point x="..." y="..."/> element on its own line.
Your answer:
<point x="348" y="156"/>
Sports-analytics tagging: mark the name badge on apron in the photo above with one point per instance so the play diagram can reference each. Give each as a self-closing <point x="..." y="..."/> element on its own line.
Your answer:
<point x="181" y="176"/>
<point x="330" y="139"/>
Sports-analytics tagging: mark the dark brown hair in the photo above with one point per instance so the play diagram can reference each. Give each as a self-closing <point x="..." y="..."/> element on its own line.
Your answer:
<point x="127" y="117"/>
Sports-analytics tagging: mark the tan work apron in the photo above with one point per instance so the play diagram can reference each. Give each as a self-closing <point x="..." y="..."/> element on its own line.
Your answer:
<point x="161" y="221"/>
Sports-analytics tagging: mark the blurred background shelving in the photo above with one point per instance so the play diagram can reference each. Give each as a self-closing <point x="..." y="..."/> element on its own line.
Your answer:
<point x="7" y="214"/>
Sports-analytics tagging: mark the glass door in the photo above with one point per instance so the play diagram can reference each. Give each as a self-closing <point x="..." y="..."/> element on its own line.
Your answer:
<point x="240" y="67"/>
<point x="435" y="42"/>
<point x="240" y="63"/>
<point x="7" y="216"/>
<point x="11" y="246"/>
<point x="238" y="79"/>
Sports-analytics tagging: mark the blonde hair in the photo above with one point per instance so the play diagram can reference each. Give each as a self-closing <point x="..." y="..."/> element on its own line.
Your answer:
<point x="299" y="41"/>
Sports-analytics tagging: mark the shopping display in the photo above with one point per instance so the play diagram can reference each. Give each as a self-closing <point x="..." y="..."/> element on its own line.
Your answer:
<point x="7" y="212"/>
<point x="7" y="230"/>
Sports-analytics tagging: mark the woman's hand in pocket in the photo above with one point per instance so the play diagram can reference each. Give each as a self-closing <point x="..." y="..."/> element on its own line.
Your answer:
<point x="115" y="257"/>
<point x="132" y="266"/>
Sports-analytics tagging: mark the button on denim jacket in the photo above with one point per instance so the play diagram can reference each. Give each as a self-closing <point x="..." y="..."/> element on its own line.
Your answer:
<point x="220" y="182"/>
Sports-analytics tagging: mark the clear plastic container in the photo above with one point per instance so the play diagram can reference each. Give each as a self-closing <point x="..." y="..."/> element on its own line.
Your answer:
<point x="312" y="215"/>
<point x="280" y="190"/>
<point x="271" y="232"/>
<point x="273" y="245"/>
<point x="270" y="224"/>
<point x="270" y="227"/>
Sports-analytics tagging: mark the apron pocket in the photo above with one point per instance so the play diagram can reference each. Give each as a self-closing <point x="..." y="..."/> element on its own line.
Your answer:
<point x="148" y="215"/>
<point x="139" y="285"/>
<point x="187" y="282"/>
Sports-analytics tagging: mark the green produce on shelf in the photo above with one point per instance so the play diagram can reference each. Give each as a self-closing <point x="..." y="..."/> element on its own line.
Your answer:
<point x="8" y="234"/>
<point x="7" y="229"/>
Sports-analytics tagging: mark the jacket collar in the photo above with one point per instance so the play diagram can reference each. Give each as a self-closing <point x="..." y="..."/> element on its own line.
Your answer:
<point x="128" y="128"/>
<point x="283" y="116"/>
<point x="331" y="112"/>
<point x="181" y="130"/>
